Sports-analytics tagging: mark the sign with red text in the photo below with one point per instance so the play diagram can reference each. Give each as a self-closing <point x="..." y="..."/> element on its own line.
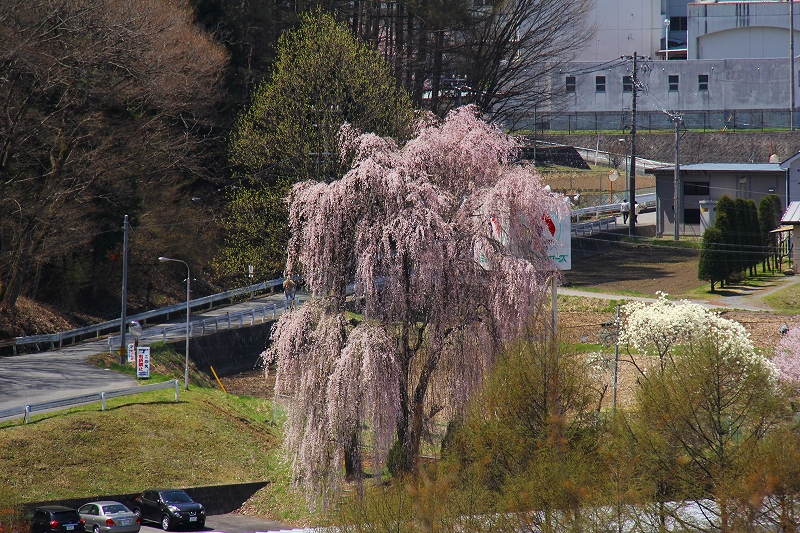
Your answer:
<point x="143" y="362"/>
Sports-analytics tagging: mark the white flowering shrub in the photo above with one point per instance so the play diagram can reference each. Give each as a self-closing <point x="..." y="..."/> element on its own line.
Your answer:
<point x="666" y="328"/>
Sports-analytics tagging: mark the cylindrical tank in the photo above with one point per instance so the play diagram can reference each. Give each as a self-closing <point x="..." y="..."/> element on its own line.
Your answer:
<point x="708" y="211"/>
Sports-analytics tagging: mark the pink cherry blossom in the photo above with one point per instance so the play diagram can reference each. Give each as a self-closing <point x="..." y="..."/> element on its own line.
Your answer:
<point x="787" y="356"/>
<point x="438" y="288"/>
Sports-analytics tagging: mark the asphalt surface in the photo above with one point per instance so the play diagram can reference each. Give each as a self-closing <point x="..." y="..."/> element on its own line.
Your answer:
<point x="64" y="372"/>
<point x="235" y="523"/>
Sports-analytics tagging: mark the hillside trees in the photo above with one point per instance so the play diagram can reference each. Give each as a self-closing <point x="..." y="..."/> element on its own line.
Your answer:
<point x="322" y="78"/>
<point x="445" y="244"/>
<point x="497" y="55"/>
<point x="106" y="109"/>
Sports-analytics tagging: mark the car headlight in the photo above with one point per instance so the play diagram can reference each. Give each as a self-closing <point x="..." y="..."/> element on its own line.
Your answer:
<point x="202" y="510"/>
<point x="175" y="510"/>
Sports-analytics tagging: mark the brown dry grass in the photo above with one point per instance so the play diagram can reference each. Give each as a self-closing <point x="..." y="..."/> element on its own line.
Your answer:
<point x="572" y="181"/>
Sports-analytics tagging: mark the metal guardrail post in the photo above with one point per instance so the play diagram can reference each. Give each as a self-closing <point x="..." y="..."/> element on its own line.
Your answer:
<point x="274" y="310"/>
<point x="229" y="321"/>
<point x="164" y="332"/>
<point x="177" y="388"/>
<point x="27" y="414"/>
<point x="103" y="400"/>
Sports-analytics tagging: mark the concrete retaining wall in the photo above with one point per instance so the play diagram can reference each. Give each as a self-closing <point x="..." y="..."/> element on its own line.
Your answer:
<point x="716" y="147"/>
<point x="229" y="351"/>
<point x="596" y="244"/>
<point x="217" y="499"/>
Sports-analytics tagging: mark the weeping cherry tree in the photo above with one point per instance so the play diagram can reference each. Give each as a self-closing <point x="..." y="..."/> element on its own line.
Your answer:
<point x="423" y="260"/>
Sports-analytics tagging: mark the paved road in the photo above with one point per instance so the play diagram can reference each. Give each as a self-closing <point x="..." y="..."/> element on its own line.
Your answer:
<point x="61" y="373"/>
<point x="235" y="523"/>
<point x="749" y="299"/>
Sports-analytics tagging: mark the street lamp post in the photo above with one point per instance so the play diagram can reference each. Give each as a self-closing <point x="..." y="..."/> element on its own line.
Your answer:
<point x="666" y="39"/>
<point x="188" y="298"/>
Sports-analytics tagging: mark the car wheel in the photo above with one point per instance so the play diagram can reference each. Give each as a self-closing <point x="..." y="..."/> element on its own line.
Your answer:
<point x="96" y="529"/>
<point x="165" y="522"/>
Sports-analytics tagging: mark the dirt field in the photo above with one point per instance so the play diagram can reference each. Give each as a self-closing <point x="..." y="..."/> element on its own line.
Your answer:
<point x="640" y="269"/>
<point x="646" y="270"/>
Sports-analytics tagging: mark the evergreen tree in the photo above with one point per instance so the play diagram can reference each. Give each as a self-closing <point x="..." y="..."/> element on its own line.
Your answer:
<point x="767" y="223"/>
<point x="754" y="237"/>
<point x="777" y="213"/>
<point x="711" y="266"/>
<point x="323" y="77"/>
<point x="724" y="223"/>
<point x="741" y="235"/>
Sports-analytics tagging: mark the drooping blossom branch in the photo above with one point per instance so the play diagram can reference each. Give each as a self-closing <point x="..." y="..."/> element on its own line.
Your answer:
<point x="444" y="243"/>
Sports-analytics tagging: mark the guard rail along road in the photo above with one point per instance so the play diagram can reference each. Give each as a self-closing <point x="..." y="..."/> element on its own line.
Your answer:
<point x="64" y="403"/>
<point x="96" y="330"/>
<point x="604" y="217"/>
<point x="208" y="325"/>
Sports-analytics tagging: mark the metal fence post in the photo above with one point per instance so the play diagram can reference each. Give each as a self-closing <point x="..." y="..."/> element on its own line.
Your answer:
<point x="27" y="414"/>
<point x="103" y="400"/>
<point x="177" y="387"/>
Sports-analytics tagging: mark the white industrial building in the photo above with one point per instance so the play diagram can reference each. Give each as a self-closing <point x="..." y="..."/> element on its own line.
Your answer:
<point x="722" y="64"/>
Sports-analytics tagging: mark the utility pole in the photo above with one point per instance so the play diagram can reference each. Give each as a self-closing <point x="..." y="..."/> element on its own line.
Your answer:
<point x="791" y="64"/>
<point x="676" y="195"/>
<point x="632" y="178"/>
<point x="123" y="348"/>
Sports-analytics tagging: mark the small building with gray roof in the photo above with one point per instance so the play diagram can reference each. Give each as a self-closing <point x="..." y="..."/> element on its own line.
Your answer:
<point x="701" y="185"/>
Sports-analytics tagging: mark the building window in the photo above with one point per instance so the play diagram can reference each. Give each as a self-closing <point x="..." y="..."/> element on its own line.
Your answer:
<point x="702" y="82"/>
<point x="691" y="216"/>
<point x="570" y="84"/>
<point x="600" y="84"/>
<point x="673" y="82"/>
<point x="677" y="23"/>
<point x="627" y="84"/>
<point x="695" y="188"/>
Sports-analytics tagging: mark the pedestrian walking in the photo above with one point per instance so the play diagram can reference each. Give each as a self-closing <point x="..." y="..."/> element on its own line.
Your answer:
<point x="289" y="288"/>
<point x="626" y="209"/>
<point x="636" y="209"/>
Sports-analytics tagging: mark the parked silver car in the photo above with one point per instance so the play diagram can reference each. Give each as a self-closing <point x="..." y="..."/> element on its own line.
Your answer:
<point x="109" y="517"/>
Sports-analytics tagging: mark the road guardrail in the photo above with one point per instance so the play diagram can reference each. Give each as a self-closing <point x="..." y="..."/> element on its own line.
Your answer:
<point x="84" y="399"/>
<point x="58" y="339"/>
<point x="208" y="326"/>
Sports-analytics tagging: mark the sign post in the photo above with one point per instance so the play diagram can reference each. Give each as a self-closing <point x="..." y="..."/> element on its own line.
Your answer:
<point x="143" y="362"/>
<point x="612" y="177"/>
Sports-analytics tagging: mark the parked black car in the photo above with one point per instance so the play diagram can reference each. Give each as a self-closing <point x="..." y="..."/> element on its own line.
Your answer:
<point x="170" y="508"/>
<point x="56" y="518"/>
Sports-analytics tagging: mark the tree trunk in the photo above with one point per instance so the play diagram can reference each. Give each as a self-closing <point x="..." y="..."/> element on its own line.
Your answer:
<point x="353" y="469"/>
<point x="12" y="292"/>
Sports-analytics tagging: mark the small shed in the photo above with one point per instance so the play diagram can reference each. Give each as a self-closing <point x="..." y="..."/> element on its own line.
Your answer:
<point x="709" y="182"/>
<point x="789" y="223"/>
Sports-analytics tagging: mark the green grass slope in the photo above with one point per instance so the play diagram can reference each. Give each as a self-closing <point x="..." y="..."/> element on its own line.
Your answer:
<point x="206" y="438"/>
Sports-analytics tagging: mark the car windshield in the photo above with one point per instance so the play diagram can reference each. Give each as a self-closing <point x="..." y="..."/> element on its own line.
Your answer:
<point x="176" y="496"/>
<point x="115" y="509"/>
